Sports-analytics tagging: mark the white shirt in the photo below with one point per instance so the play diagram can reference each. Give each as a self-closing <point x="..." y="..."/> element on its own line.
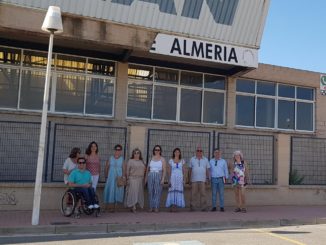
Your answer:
<point x="155" y="166"/>
<point x="198" y="169"/>
<point x="68" y="165"/>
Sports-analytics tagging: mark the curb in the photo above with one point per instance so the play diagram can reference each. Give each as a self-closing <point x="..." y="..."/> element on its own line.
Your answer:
<point x="154" y="228"/>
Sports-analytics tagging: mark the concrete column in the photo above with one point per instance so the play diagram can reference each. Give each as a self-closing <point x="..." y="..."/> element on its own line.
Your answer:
<point x="138" y="138"/>
<point x="230" y="102"/>
<point x="121" y="96"/>
<point x="283" y="159"/>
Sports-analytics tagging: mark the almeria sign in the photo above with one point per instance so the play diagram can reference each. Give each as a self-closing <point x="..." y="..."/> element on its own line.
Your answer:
<point x="204" y="50"/>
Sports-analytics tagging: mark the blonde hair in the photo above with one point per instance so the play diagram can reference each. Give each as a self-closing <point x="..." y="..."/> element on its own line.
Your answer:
<point x="238" y="152"/>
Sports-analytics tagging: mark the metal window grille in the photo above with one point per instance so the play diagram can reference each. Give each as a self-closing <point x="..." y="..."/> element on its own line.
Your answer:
<point x="308" y="160"/>
<point x="68" y="136"/>
<point x="187" y="141"/>
<point x="19" y="143"/>
<point x="258" y="152"/>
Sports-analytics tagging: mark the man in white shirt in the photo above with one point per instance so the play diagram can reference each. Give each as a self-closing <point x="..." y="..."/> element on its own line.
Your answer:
<point x="199" y="175"/>
<point x="219" y="173"/>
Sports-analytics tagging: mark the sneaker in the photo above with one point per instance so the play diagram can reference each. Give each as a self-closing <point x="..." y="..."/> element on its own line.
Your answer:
<point x="221" y="209"/>
<point x="243" y="210"/>
<point x="90" y="207"/>
<point x="237" y="210"/>
<point x="213" y="209"/>
<point x="96" y="206"/>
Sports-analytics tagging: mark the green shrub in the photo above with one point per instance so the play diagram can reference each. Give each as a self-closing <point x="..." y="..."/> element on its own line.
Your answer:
<point x="295" y="178"/>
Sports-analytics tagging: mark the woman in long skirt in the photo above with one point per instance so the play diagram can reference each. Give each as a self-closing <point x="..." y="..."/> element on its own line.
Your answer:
<point x="114" y="168"/>
<point x="155" y="175"/>
<point x="176" y="171"/>
<point x="135" y="181"/>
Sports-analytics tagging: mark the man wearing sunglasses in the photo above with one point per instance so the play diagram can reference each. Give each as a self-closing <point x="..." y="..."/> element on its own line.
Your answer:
<point x="219" y="173"/>
<point x="80" y="180"/>
<point x="199" y="176"/>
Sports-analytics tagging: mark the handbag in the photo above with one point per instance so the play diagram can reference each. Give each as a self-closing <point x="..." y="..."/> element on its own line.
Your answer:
<point x="120" y="181"/>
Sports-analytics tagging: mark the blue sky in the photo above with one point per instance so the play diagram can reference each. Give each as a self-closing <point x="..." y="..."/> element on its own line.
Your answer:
<point x="295" y="35"/>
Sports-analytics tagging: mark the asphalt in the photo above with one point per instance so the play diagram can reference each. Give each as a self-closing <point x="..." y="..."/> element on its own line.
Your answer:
<point x="123" y="221"/>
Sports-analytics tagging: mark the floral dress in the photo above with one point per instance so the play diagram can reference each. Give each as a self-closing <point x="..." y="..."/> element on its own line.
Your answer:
<point x="175" y="192"/>
<point x="238" y="175"/>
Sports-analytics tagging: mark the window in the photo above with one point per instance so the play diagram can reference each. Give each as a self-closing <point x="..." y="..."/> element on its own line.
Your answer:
<point x="271" y="105"/>
<point x="165" y="103"/>
<point x="70" y="93"/>
<point x="9" y="81"/>
<point x="175" y="95"/>
<point x="81" y="85"/>
<point x="139" y="100"/>
<point x="32" y="89"/>
<point x="99" y="96"/>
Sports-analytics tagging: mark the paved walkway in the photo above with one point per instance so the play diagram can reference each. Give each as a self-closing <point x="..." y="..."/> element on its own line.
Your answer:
<point x="52" y="222"/>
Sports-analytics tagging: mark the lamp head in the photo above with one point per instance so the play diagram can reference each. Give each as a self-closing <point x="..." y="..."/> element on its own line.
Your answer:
<point x="52" y="21"/>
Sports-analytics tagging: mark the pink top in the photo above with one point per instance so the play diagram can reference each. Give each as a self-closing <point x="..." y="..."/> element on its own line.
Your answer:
<point x="93" y="164"/>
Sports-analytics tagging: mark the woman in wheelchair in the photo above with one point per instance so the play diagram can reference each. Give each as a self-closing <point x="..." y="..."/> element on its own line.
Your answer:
<point x="80" y="180"/>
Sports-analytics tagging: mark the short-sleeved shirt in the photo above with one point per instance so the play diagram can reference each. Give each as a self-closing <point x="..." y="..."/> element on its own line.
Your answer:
<point x="198" y="169"/>
<point x="68" y="165"/>
<point x="80" y="177"/>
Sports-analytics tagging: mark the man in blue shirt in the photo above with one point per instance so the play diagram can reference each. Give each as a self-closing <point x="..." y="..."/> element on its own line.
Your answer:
<point x="219" y="173"/>
<point x="80" y="180"/>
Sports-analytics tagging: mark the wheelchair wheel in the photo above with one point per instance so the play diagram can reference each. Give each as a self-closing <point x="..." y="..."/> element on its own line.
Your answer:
<point x="68" y="204"/>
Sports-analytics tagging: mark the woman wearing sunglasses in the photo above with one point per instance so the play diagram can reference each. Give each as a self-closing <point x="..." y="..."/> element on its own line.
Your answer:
<point x="114" y="168"/>
<point x="135" y="181"/>
<point x="156" y="170"/>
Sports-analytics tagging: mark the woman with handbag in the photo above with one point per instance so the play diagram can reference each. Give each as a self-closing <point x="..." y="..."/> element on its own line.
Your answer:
<point x="115" y="182"/>
<point x="135" y="181"/>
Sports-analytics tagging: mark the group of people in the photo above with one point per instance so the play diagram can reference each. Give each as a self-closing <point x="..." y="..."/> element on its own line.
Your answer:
<point x="125" y="181"/>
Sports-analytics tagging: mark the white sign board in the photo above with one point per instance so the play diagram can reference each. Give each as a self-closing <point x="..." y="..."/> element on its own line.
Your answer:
<point x="204" y="50"/>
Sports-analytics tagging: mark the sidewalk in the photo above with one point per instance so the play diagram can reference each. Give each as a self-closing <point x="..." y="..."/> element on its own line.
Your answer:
<point x="52" y="222"/>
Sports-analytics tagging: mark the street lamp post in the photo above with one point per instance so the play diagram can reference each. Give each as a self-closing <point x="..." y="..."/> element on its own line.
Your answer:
<point x="52" y="24"/>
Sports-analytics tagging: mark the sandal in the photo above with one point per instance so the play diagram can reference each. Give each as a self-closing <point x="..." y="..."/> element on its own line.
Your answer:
<point x="237" y="210"/>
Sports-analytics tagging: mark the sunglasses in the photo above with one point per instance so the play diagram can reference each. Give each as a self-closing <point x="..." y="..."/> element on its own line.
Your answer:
<point x="81" y="162"/>
<point x="199" y="150"/>
<point x="215" y="163"/>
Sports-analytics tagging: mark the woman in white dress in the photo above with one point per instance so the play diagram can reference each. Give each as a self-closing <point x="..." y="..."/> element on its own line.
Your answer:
<point x="176" y="170"/>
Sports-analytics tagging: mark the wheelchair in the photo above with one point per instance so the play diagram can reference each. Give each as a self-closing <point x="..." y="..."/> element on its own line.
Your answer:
<point x="73" y="203"/>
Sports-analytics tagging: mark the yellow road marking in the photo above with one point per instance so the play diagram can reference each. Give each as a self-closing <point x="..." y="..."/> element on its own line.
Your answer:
<point x="280" y="237"/>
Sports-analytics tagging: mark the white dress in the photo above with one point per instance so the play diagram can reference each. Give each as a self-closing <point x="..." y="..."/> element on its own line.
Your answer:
<point x="175" y="192"/>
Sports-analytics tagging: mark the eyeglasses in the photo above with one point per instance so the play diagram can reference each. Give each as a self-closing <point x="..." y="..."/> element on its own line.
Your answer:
<point x="157" y="150"/>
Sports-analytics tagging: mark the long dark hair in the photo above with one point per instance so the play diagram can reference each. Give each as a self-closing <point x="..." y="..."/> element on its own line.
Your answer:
<point x="88" y="150"/>
<point x="158" y="146"/>
<point x="173" y="154"/>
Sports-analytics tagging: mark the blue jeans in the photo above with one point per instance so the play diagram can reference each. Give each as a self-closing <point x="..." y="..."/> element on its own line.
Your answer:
<point x="87" y="193"/>
<point x="217" y="186"/>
